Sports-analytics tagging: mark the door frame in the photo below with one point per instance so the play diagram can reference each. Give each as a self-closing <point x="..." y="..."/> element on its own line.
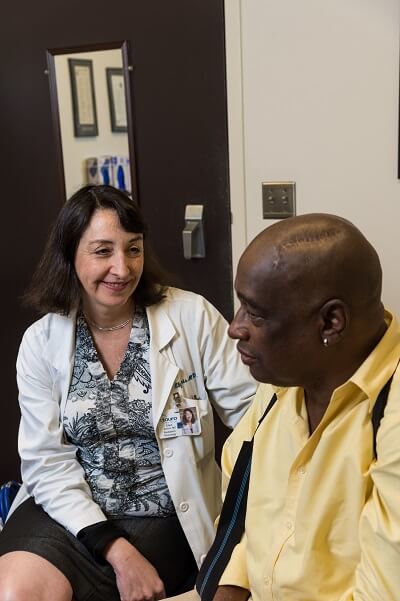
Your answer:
<point x="236" y="147"/>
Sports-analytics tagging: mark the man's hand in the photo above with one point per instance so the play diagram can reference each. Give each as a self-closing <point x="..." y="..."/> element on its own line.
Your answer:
<point x="231" y="593"/>
<point x="137" y="579"/>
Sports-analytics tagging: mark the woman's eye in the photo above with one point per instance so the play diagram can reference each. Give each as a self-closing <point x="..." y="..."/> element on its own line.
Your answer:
<point x="135" y="250"/>
<point x="102" y="251"/>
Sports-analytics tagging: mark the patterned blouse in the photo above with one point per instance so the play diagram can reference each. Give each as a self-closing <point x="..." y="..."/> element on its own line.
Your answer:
<point x="110" y="423"/>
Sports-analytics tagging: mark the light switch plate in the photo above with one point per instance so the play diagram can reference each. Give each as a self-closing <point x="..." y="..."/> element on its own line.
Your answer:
<point x="279" y="199"/>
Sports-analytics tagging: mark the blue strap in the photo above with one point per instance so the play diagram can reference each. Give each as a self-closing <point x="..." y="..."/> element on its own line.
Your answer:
<point x="8" y="492"/>
<point x="232" y="520"/>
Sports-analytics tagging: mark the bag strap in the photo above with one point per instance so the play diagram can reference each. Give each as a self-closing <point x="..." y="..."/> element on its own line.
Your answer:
<point x="231" y="523"/>
<point x="379" y="410"/>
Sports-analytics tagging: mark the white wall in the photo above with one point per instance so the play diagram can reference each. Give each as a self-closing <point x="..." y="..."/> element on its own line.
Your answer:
<point x="76" y="150"/>
<point x="313" y="97"/>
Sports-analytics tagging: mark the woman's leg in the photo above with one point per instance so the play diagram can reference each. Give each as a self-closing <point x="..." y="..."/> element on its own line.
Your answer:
<point x="25" y="576"/>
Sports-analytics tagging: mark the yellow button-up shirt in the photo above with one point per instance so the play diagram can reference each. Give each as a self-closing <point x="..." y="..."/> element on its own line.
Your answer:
<point x="323" y="517"/>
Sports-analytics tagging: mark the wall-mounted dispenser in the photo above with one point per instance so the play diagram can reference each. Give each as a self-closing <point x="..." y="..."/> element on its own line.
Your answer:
<point x="193" y="233"/>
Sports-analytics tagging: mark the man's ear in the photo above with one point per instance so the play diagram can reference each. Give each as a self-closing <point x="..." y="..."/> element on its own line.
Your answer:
<point x="334" y="318"/>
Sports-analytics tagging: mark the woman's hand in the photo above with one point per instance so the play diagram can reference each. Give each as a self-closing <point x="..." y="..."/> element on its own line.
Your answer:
<point x="137" y="579"/>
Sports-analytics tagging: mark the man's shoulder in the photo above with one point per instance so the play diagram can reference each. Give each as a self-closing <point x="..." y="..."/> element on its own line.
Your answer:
<point x="249" y="422"/>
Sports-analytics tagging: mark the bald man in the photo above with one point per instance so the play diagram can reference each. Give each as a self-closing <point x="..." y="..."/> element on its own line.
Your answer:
<point x="323" y="515"/>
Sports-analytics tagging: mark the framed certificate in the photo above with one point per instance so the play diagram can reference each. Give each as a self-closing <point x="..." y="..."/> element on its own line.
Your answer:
<point x="83" y="97"/>
<point x="116" y="97"/>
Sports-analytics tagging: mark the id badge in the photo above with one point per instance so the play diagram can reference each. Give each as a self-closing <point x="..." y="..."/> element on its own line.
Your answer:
<point x="170" y="424"/>
<point x="190" y="418"/>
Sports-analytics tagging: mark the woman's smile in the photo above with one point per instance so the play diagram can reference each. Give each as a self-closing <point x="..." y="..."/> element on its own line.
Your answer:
<point x="109" y="265"/>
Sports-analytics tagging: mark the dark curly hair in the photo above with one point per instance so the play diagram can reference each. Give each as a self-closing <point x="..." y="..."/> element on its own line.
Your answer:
<point x="55" y="286"/>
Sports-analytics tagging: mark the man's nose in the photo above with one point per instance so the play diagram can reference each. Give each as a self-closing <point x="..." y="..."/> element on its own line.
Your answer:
<point x="237" y="329"/>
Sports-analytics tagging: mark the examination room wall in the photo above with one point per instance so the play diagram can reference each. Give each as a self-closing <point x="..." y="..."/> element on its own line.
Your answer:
<point x="313" y="97"/>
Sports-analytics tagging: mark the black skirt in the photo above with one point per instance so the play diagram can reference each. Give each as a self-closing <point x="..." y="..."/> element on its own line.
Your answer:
<point x="161" y="540"/>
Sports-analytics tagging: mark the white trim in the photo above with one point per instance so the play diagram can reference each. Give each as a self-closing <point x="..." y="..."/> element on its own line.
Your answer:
<point x="237" y="183"/>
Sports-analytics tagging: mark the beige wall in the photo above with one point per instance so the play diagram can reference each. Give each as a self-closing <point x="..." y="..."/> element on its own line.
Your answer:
<point x="76" y="150"/>
<point x="313" y="97"/>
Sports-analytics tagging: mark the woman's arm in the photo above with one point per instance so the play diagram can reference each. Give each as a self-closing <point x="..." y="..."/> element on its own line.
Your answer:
<point x="50" y="470"/>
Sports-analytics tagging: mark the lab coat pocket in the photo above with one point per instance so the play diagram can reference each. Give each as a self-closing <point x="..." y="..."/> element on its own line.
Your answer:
<point x="201" y="430"/>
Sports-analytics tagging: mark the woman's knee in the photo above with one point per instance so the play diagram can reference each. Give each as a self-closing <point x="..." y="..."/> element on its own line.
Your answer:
<point x="25" y="576"/>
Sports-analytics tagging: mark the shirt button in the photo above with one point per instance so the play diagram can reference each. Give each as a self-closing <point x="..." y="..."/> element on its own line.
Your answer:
<point x="267" y="580"/>
<point x="302" y="470"/>
<point x="168" y="452"/>
<point x="184" y="506"/>
<point x="289" y="525"/>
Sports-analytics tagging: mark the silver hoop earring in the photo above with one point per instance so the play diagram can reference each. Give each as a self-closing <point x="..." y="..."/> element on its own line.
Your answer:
<point x="325" y="341"/>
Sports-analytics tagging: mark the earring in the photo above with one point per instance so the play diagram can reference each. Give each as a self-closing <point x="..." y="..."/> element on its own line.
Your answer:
<point x="325" y="341"/>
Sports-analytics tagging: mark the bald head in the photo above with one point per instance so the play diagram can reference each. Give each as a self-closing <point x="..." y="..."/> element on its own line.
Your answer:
<point x="319" y="256"/>
<point x="307" y="284"/>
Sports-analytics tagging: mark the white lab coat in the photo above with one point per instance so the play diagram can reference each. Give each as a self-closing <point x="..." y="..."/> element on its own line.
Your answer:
<point x="190" y="353"/>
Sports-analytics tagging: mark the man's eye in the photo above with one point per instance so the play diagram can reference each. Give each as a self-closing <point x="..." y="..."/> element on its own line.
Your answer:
<point x="102" y="251"/>
<point x="135" y="250"/>
<point x="254" y="317"/>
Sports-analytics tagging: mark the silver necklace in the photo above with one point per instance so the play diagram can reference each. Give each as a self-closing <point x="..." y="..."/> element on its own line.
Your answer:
<point x="119" y="326"/>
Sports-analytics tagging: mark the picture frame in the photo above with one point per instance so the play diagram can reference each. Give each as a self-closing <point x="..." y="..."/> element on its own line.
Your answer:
<point x="116" y="99"/>
<point x="83" y="97"/>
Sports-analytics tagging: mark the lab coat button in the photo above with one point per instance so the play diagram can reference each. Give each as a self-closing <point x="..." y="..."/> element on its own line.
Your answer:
<point x="168" y="452"/>
<point x="184" y="506"/>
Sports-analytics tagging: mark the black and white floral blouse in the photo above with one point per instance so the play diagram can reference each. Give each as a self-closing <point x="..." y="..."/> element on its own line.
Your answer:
<point x="110" y="423"/>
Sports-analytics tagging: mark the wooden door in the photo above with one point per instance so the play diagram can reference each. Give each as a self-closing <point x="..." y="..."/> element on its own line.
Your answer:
<point x="180" y="123"/>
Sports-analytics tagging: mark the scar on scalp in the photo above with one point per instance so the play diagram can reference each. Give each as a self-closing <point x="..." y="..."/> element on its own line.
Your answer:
<point x="301" y="241"/>
<point x="310" y="238"/>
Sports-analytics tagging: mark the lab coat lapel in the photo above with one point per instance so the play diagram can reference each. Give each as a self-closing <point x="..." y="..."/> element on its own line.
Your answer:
<point x="163" y="370"/>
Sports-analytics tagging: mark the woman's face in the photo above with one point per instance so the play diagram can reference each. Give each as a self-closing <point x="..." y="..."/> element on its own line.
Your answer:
<point x="108" y="263"/>
<point x="188" y="415"/>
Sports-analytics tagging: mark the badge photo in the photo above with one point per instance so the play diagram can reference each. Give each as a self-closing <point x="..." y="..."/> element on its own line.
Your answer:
<point x="190" y="421"/>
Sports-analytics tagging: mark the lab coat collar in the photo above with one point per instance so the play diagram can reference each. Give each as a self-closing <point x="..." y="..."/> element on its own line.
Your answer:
<point x="162" y="330"/>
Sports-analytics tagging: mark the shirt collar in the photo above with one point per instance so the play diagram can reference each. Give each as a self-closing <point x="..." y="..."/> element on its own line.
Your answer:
<point x="377" y="368"/>
<point x="381" y="363"/>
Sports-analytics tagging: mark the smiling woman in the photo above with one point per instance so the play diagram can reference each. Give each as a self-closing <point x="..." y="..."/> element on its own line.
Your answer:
<point x="109" y="265"/>
<point x="104" y="378"/>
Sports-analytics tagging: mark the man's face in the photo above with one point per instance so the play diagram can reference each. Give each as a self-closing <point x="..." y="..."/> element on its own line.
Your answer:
<point x="277" y="334"/>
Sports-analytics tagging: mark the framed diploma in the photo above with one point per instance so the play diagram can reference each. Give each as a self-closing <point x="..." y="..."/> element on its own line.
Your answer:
<point x="83" y="97"/>
<point x="116" y="97"/>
